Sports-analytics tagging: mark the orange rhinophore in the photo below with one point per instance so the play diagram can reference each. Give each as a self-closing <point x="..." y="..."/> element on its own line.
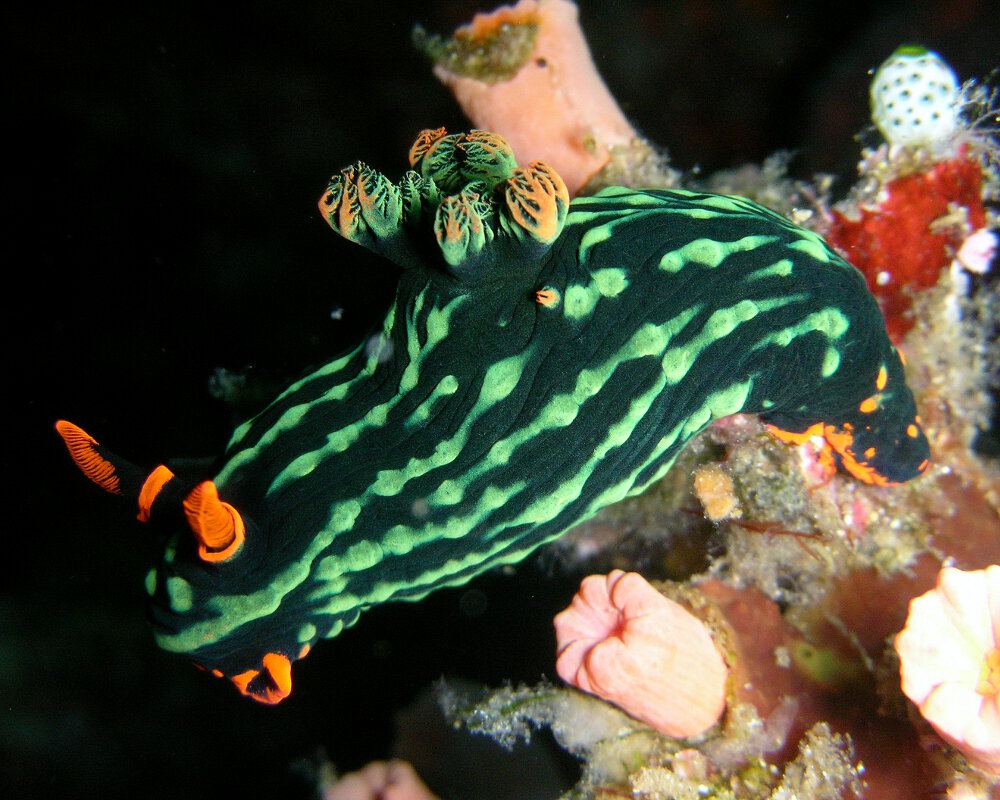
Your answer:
<point x="86" y="452"/>
<point x="218" y="526"/>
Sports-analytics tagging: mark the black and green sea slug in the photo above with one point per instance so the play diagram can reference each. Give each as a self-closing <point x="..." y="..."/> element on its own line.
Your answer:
<point x="541" y="360"/>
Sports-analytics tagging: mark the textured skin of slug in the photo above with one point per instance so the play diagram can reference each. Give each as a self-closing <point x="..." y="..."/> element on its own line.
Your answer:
<point x="541" y="360"/>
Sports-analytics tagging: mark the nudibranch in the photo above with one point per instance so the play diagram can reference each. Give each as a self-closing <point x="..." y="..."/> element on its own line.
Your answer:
<point x="541" y="360"/>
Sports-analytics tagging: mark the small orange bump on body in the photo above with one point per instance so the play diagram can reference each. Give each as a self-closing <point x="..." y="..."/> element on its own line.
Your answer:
<point x="868" y="405"/>
<point x="882" y="379"/>
<point x="912" y="431"/>
<point x="547" y="297"/>
<point x="870" y="453"/>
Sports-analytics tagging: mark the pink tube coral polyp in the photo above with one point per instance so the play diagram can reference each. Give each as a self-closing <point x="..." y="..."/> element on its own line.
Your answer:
<point x="949" y="655"/>
<point x="622" y="640"/>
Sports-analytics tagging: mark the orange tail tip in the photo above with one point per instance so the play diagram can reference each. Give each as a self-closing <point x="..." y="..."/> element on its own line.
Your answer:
<point x="217" y="525"/>
<point x="270" y="685"/>
<point x="85" y="451"/>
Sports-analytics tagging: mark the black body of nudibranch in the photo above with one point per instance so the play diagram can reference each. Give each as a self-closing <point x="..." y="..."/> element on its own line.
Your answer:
<point x="541" y="360"/>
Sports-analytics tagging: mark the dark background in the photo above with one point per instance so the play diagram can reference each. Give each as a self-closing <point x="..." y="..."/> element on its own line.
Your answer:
<point x="163" y="164"/>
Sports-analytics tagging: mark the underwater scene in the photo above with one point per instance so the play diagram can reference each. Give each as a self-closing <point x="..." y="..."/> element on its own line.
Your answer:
<point x="545" y="401"/>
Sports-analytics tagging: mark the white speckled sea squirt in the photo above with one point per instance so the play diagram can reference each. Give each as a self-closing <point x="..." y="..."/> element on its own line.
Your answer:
<point x="541" y="360"/>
